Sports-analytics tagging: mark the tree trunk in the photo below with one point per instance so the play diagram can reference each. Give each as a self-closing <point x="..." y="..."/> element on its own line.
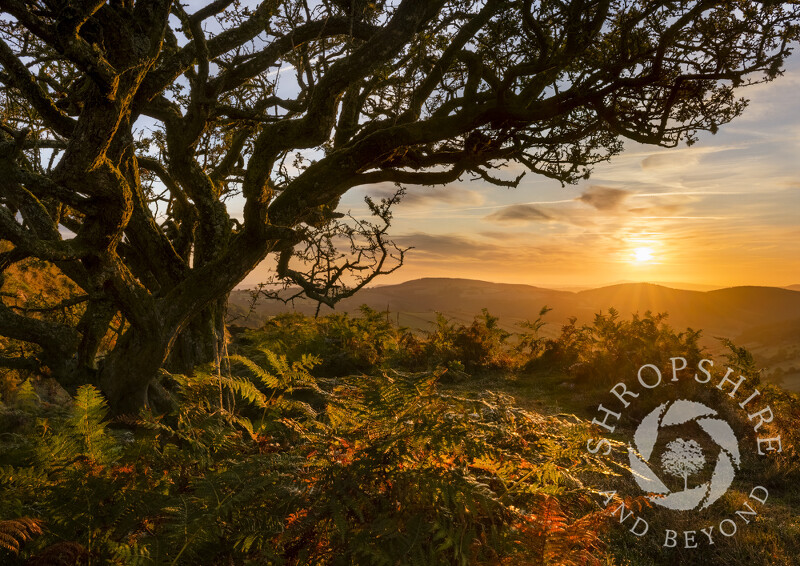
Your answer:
<point x="201" y="342"/>
<point x="128" y="372"/>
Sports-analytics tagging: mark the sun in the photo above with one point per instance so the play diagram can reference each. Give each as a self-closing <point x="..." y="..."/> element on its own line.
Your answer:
<point x="642" y="255"/>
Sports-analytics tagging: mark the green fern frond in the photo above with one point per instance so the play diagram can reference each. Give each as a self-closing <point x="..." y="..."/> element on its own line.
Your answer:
<point x="245" y="389"/>
<point x="129" y="554"/>
<point x="265" y="377"/>
<point x="278" y="363"/>
<point x="86" y="424"/>
<point x="23" y="477"/>
<point x="27" y="399"/>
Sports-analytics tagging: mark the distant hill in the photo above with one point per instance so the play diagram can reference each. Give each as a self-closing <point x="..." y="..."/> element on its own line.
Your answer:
<point x="670" y="284"/>
<point x="793" y="287"/>
<point x="417" y="301"/>
<point x="728" y="311"/>
<point x="765" y="319"/>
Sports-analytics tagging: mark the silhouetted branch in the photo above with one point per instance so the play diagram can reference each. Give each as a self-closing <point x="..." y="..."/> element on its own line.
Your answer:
<point x="328" y="275"/>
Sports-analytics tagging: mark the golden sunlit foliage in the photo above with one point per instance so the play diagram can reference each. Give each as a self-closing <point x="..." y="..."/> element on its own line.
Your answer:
<point x="284" y="458"/>
<point x="272" y="465"/>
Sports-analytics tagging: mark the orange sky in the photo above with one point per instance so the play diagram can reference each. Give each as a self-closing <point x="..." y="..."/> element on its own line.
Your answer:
<point x="722" y="212"/>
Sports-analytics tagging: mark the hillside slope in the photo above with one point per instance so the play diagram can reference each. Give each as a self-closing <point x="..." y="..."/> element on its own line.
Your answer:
<point x="730" y="311"/>
<point x="764" y="319"/>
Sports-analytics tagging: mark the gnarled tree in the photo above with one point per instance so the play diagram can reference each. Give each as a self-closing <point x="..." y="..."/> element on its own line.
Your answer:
<point x="129" y="128"/>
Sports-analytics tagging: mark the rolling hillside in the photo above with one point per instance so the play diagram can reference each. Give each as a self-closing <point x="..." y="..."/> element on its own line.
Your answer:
<point x="765" y="319"/>
<point x="729" y="311"/>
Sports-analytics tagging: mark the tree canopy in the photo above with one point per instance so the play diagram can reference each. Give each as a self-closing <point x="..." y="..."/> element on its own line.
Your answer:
<point x="132" y="133"/>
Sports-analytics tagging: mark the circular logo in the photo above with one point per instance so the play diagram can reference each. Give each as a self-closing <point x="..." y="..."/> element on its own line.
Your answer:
<point x="683" y="458"/>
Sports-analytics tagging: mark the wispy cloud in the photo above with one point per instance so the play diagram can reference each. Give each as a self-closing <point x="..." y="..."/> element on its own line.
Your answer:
<point x="604" y="198"/>
<point x="668" y="210"/>
<point x="420" y="197"/>
<point x="520" y="213"/>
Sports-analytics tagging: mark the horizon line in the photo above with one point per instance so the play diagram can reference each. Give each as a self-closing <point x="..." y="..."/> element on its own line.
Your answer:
<point x="577" y="287"/>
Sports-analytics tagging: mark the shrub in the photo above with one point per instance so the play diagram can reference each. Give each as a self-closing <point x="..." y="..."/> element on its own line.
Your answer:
<point x="481" y="346"/>
<point x="342" y="343"/>
<point x="601" y="352"/>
